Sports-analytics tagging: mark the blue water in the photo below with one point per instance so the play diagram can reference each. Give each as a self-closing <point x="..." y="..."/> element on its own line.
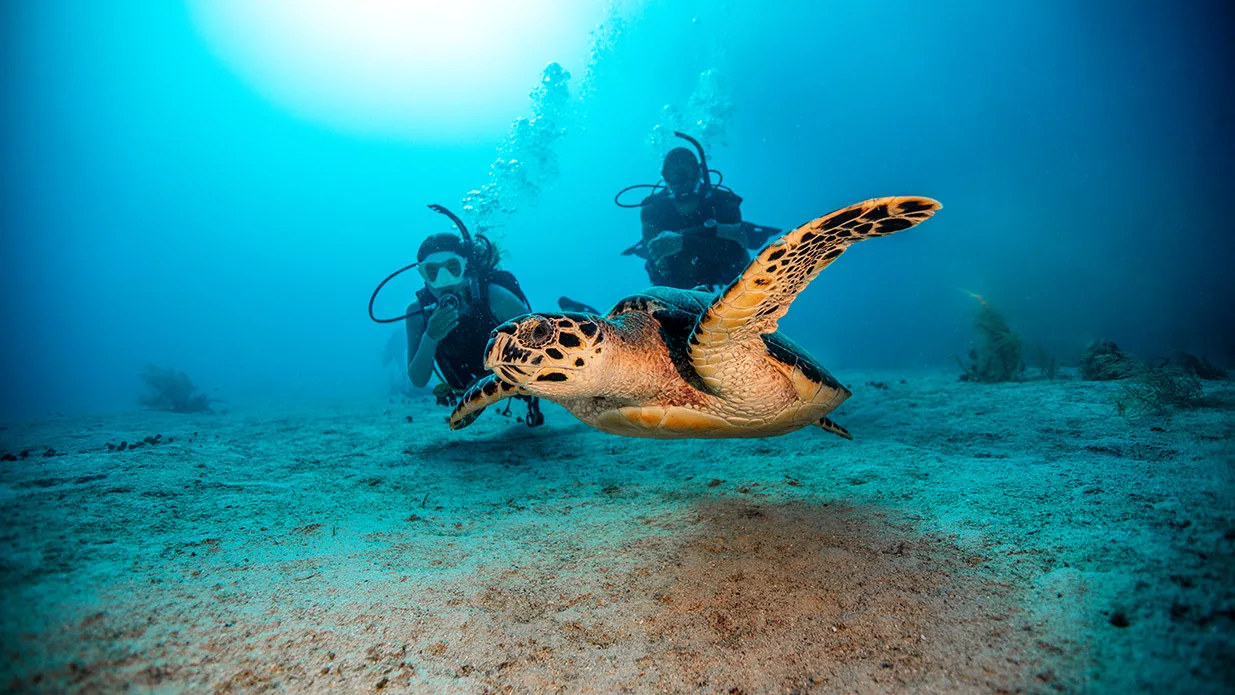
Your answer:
<point x="159" y="209"/>
<point x="165" y="203"/>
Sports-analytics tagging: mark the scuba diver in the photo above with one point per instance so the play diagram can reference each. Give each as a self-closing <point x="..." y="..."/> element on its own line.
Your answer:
<point x="693" y="233"/>
<point x="464" y="298"/>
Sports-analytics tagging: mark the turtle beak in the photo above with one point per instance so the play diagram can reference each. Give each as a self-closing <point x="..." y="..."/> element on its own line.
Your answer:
<point x="499" y="344"/>
<point x="493" y="349"/>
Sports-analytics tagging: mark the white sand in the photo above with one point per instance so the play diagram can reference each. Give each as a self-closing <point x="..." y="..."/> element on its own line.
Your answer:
<point x="973" y="539"/>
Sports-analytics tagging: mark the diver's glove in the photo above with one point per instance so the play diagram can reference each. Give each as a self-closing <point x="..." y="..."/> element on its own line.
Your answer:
<point x="665" y="244"/>
<point x="441" y="323"/>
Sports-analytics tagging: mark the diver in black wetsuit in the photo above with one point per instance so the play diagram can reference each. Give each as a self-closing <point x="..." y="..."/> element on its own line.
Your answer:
<point x="693" y="233"/>
<point x="693" y="236"/>
<point x="464" y="298"/>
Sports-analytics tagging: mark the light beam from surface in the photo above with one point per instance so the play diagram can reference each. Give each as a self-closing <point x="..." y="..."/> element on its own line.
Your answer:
<point x="418" y="70"/>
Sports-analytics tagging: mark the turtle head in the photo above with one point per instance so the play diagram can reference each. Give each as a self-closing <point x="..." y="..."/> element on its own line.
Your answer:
<point x="549" y="355"/>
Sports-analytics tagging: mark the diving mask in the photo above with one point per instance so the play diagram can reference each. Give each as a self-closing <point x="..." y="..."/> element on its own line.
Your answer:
<point x="681" y="180"/>
<point x="442" y="269"/>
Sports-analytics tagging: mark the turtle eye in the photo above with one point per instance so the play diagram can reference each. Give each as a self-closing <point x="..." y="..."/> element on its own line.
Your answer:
<point x="538" y="332"/>
<point x="542" y="330"/>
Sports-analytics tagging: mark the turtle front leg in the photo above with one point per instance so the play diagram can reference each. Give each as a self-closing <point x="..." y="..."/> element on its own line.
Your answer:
<point x="481" y="395"/>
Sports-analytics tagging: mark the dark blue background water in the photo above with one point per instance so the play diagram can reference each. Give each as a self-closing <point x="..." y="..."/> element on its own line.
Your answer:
<point x="156" y="208"/>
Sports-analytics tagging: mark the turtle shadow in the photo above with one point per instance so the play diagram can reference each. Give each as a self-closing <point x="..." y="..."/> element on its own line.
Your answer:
<point x="515" y="445"/>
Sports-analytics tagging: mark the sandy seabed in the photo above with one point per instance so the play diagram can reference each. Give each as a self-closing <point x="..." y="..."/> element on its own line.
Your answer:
<point x="1016" y="538"/>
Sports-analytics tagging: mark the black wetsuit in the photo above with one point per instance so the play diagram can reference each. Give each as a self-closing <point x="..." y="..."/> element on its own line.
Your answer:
<point x="704" y="258"/>
<point x="460" y="356"/>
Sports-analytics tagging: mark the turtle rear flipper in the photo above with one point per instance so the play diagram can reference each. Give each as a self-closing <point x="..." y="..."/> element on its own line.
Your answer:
<point x="834" y="428"/>
<point x="753" y="303"/>
<point x="481" y="395"/>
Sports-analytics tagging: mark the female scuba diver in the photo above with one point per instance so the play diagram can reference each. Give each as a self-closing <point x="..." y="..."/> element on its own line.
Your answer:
<point x="464" y="298"/>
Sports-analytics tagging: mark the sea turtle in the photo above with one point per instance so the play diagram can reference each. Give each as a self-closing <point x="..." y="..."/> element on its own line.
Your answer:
<point x="669" y="363"/>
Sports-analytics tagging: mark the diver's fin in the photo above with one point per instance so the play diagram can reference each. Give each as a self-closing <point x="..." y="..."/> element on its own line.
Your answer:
<point x="757" y="234"/>
<point x="568" y="304"/>
<point x="834" y="428"/>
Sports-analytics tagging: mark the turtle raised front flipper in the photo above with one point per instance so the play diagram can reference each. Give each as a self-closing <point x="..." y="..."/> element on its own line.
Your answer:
<point x="752" y="304"/>
<point x="482" y="394"/>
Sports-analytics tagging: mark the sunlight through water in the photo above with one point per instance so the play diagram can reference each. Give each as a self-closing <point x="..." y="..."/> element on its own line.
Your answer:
<point x="405" y="69"/>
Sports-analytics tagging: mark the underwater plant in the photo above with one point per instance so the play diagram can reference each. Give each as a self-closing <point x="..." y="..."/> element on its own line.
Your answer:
<point x="1104" y="361"/>
<point x="1158" y="390"/>
<point x="172" y="391"/>
<point x="1041" y="358"/>
<point x="997" y="356"/>
<point x="1199" y="367"/>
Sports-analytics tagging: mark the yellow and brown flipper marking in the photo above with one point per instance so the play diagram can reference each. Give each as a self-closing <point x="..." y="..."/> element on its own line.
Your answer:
<point x="481" y="395"/>
<point x="753" y="303"/>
